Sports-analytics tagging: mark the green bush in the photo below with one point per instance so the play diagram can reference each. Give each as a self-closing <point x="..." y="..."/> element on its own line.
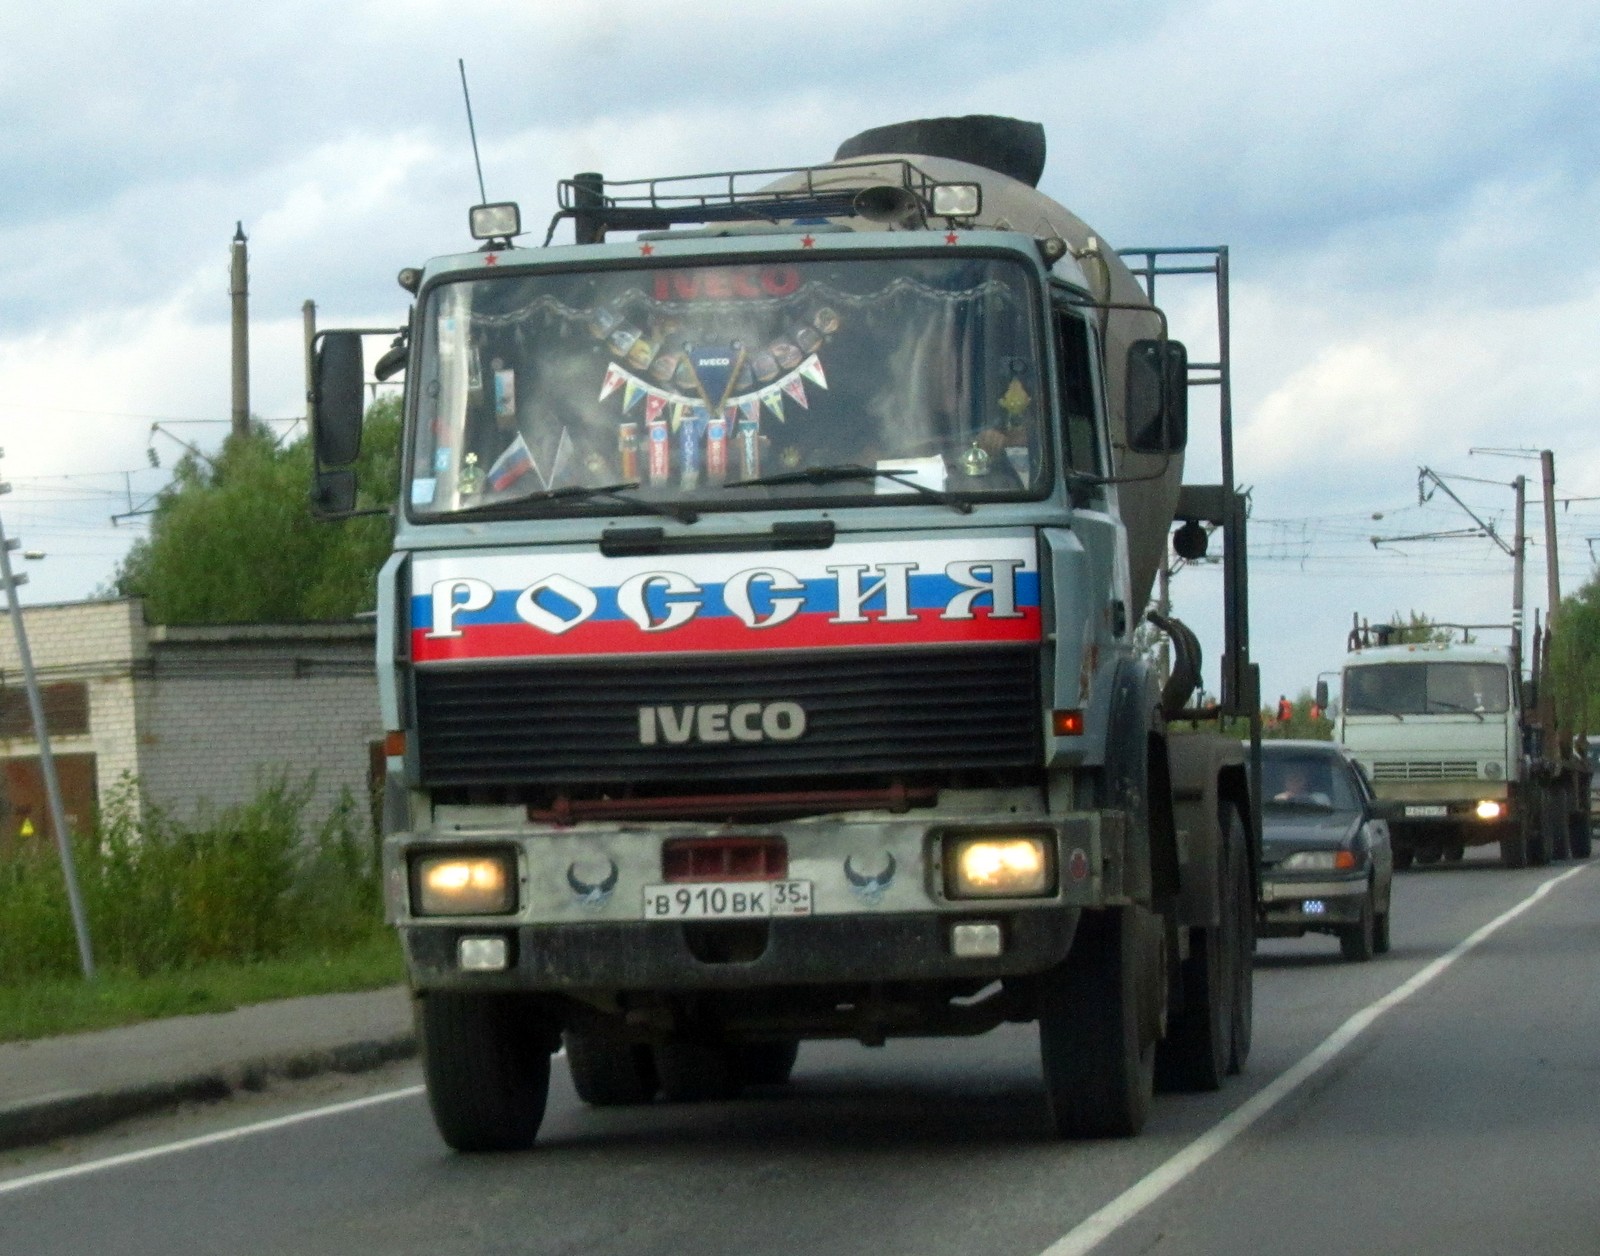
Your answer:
<point x="243" y="884"/>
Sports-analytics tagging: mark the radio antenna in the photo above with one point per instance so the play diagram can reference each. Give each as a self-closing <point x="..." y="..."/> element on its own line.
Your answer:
<point x="483" y="197"/>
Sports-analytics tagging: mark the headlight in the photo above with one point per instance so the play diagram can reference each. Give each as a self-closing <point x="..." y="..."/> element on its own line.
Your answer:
<point x="998" y="867"/>
<point x="1490" y="809"/>
<point x="479" y="884"/>
<point x="1321" y="861"/>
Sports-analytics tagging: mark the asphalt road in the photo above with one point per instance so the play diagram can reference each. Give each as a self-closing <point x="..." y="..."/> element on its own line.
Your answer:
<point x="1458" y="1117"/>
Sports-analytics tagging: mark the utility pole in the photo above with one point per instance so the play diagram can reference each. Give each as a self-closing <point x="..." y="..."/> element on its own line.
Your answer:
<point x="1518" y="550"/>
<point x="1552" y="560"/>
<point x="47" y="763"/>
<point x="238" y="290"/>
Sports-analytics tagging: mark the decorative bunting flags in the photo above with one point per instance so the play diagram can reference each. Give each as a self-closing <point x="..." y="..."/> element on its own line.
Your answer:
<point x="660" y="400"/>
<point x="796" y="388"/>
<point x="811" y="368"/>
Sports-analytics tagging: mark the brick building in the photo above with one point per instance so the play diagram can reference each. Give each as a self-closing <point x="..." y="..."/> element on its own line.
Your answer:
<point x="197" y="714"/>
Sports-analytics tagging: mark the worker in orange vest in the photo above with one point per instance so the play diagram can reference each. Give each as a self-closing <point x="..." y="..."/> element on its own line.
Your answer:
<point x="1285" y="709"/>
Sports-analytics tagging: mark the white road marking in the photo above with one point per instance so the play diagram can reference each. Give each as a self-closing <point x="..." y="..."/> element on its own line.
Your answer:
<point x="1097" y="1227"/>
<point x="205" y="1140"/>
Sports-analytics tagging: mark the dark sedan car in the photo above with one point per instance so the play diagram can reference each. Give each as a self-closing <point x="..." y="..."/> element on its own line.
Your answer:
<point x="1326" y="862"/>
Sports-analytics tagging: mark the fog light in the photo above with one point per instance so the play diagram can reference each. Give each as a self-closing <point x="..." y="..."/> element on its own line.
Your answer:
<point x="998" y="867"/>
<point x="464" y="885"/>
<point x="1489" y="809"/>
<point x="482" y="955"/>
<point x="976" y="939"/>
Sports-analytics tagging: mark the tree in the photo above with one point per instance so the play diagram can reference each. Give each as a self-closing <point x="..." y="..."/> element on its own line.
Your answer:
<point x="232" y="539"/>
<point x="1418" y="629"/>
<point x="1575" y="659"/>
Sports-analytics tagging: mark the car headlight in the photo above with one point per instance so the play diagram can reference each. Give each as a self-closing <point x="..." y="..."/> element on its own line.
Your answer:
<point x="483" y="883"/>
<point x="1490" y="809"/>
<point x="998" y="867"/>
<point x="1321" y="861"/>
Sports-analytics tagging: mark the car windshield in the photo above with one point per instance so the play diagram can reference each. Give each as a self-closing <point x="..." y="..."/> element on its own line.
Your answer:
<point x="685" y="381"/>
<point x="1426" y="689"/>
<point x="1305" y="780"/>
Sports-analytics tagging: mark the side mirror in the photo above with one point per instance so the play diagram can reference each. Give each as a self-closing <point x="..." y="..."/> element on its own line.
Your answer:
<point x="1157" y="396"/>
<point x="1322" y="695"/>
<point x="337" y="394"/>
<point x="333" y="493"/>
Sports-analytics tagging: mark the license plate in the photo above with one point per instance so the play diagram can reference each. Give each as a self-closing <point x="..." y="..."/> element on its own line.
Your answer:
<point x="727" y="900"/>
<point x="1427" y="813"/>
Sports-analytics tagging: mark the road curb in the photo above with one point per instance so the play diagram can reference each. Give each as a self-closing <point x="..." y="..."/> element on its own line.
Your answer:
<point x="83" y="1112"/>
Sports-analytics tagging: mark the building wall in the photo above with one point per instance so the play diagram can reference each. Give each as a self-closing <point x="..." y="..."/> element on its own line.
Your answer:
<point x="224" y="709"/>
<point x="201" y="715"/>
<point x="100" y="644"/>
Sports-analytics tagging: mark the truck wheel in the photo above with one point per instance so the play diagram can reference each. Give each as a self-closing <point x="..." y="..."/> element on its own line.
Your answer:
<point x="1514" y="850"/>
<point x="1538" y="831"/>
<point x="1454" y="854"/>
<point x="1429" y="854"/>
<point x="1244" y="971"/>
<point x="1357" y="942"/>
<point x="610" y="1073"/>
<point x="1098" y="1057"/>
<point x="1580" y="836"/>
<point x="1403" y="855"/>
<point x="1556" y="820"/>
<point x="696" y="1072"/>
<point x="765" y="1063"/>
<point x="1199" y="1049"/>
<point x="486" y="1060"/>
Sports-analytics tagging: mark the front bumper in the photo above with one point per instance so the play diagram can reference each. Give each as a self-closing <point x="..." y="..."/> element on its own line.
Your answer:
<point x="670" y="956"/>
<point x="1304" y="904"/>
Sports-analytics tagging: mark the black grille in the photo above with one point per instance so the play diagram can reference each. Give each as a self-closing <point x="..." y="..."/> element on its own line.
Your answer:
<point x="866" y="713"/>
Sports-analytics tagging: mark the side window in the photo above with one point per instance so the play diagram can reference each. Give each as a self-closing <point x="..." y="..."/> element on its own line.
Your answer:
<point x="1077" y="393"/>
<point x="1349" y="786"/>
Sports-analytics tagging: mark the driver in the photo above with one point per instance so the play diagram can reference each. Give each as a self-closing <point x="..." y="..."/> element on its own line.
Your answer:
<point x="1297" y="788"/>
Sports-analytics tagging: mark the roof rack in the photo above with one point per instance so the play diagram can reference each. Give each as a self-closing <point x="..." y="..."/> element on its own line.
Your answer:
<point x="597" y="205"/>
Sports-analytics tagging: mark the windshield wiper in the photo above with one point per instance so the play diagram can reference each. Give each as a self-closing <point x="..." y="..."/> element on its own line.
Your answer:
<point x="582" y="492"/>
<point x="853" y="471"/>
<point x="1453" y="706"/>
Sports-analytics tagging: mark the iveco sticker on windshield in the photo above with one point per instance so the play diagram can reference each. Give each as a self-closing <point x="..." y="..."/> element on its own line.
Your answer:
<point x="972" y="589"/>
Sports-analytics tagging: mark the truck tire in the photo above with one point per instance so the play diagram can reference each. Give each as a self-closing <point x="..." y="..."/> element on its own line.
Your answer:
<point x="1403" y="857"/>
<point x="1199" y="1049"/>
<point x="1537" y="828"/>
<point x="1358" y="942"/>
<point x="696" y="1072"/>
<point x="1244" y="974"/>
<point x="765" y="1063"/>
<point x="1581" y="835"/>
<point x="1514" y="843"/>
<point x="1097" y="1052"/>
<point x="1556" y="822"/>
<point x="486" y="1061"/>
<point x="608" y="1072"/>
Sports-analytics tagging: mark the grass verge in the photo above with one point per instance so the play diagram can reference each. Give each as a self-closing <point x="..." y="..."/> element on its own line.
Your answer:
<point x="59" y="1005"/>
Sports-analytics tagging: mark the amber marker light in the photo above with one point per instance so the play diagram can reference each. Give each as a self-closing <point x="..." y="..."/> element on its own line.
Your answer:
<point x="998" y="867"/>
<point x="394" y="743"/>
<point x="1067" y="723"/>
<point x="463" y="885"/>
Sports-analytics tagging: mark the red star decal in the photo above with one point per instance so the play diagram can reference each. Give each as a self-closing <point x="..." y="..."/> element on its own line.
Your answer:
<point x="951" y="237"/>
<point x="491" y="259"/>
<point x="646" y="249"/>
<point x="806" y="241"/>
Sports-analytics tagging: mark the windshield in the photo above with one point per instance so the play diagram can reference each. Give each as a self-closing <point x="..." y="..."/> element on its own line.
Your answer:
<point x="684" y="381"/>
<point x="1305" y="780"/>
<point x="1426" y="689"/>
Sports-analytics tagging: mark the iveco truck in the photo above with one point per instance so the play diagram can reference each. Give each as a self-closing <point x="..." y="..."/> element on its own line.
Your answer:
<point x="757" y="652"/>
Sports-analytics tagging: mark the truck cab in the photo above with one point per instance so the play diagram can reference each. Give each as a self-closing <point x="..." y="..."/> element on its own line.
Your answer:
<point x="757" y="648"/>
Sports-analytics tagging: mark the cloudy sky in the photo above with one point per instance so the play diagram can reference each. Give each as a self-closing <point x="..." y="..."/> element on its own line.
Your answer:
<point x="1410" y="193"/>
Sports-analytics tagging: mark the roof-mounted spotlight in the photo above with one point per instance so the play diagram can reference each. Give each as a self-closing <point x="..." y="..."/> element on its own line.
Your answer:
<point x="957" y="200"/>
<point x="1052" y="249"/>
<point x="1190" y="541"/>
<point x="500" y="221"/>
<point x="410" y="279"/>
